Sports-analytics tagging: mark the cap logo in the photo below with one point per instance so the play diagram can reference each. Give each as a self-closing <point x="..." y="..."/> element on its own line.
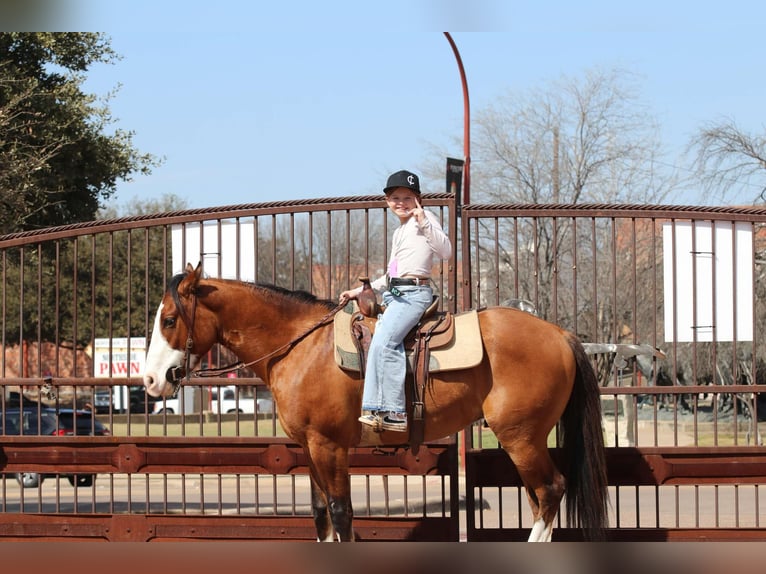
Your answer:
<point x="411" y="179"/>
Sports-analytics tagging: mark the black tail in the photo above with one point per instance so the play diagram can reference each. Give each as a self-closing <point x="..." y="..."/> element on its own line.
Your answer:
<point x="583" y="446"/>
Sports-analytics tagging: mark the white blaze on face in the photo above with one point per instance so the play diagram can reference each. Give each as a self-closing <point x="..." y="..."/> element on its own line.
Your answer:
<point x="159" y="358"/>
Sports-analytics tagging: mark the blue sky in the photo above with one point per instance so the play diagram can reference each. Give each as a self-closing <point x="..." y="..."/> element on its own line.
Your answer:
<point x="267" y="101"/>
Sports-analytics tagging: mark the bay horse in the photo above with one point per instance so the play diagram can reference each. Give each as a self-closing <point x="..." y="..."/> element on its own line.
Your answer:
<point x="532" y="375"/>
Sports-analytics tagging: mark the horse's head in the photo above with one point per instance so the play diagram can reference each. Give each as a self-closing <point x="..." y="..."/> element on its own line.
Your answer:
<point x="179" y="337"/>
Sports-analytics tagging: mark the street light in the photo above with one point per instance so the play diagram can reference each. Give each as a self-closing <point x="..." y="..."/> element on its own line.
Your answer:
<point x="466" y="124"/>
<point x="466" y="278"/>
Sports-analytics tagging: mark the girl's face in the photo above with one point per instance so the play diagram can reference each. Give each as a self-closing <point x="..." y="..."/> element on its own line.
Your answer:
<point x="402" y="201"/>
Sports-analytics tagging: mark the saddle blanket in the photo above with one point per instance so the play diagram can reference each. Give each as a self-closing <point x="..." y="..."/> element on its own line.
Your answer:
<point x="464" y="351"/>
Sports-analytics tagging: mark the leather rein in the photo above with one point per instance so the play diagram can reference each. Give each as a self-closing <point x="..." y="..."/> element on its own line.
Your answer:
<point x="174" y="374"/>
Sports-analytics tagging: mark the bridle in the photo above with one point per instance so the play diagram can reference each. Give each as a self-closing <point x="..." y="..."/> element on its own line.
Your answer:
<point x="175" y="375"/>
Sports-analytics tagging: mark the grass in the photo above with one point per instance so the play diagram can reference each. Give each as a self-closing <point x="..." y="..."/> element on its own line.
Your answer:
<point x="195" y="426"/>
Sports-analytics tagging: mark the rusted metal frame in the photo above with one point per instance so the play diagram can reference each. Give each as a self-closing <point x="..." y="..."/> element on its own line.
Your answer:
<point x="663" y="534"/>
<point x="204" y="455"/>
<point x="601" y="211"/>
<point x="197" y="215"/>
<point x="641" y="466"/>
<point x="161" y="528"/>
<point x="471" y="211"/>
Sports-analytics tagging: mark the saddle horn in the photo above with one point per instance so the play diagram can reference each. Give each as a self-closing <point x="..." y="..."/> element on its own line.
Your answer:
<point x="367" y="300"/>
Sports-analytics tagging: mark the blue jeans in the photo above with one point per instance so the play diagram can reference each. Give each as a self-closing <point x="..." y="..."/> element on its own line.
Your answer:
<point x="386" y="361"/>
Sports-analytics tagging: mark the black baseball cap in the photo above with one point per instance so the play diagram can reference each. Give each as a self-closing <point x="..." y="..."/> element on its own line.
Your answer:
<point x="403" y="178"/>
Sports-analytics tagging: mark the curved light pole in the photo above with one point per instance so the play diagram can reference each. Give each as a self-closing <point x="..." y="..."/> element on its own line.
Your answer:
<point x="466" y="257"/>
<point x="466" y="124"/>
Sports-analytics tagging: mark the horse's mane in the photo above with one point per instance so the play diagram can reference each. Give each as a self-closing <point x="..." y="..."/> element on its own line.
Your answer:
<point x="299" y="295"/>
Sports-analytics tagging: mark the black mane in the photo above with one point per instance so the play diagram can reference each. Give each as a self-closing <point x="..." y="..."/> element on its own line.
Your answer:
<point x="298" y="295"/>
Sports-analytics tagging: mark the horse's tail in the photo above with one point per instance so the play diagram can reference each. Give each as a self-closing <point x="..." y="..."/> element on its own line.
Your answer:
<point x="583" y="446"/>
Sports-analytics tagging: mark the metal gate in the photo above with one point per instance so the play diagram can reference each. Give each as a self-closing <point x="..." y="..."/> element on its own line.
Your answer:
<point x="685" y="455"/>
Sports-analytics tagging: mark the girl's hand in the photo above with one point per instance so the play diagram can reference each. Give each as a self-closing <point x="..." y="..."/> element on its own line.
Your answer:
<point x="347" y="296"/>
<point x="417" y="212"/>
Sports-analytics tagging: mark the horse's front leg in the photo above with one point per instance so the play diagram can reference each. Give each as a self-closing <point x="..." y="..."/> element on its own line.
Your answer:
<point x="319" y="509"/>
<point x="331" y="492"/>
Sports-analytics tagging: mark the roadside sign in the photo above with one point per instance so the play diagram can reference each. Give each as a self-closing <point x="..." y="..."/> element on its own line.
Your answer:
<point x="127" y="357"/>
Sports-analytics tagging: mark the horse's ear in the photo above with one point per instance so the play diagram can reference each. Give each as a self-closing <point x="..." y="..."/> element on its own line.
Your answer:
<point x="190" y="282"/>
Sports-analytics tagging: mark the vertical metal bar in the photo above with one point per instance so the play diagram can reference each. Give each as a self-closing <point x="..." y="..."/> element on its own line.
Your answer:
<point x="594" y="255"/>
<point x="39" y="369"/>
<point x="292" y="250"/>
<point x="274" y="249"/>
<point x="555" y="268"/>
<point x="496" y="249"/>
<point x="311" y="251"/>
<point x="575" y="306"/>
<point x="465" y="244"/>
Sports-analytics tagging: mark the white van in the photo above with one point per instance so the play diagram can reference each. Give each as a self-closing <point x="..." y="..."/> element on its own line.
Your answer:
<point x="228" y="404"/>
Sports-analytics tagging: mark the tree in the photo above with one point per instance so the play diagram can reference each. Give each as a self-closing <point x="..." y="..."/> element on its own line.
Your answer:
<point x="72" y="290"/>
<point x="578" y="140"/>
<point x="727" y="159"/>
<point x="57" y="161"/>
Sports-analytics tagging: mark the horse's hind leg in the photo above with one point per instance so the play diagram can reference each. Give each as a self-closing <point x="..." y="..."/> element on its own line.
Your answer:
<point x="322" y="522"/>
<point x="544" y="485"/>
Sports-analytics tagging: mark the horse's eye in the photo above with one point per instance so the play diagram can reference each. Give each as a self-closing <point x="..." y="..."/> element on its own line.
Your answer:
<point x="169" y="322"/>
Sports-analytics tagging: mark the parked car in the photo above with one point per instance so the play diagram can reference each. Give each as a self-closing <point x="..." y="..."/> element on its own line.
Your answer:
<point x="122" y="398"/>
<point x="43" y="421"/>
<point x="229" y="403"/>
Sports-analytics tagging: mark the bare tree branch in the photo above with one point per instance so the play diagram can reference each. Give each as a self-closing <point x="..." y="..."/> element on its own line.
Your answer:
<point x="730" y="161"/>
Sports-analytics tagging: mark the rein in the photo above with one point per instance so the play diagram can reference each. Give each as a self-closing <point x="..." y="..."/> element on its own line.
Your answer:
<point x="189" y="322"/>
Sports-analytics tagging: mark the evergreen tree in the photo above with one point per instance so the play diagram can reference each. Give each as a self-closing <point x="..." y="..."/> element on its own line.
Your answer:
<point x="57" y="162"/>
